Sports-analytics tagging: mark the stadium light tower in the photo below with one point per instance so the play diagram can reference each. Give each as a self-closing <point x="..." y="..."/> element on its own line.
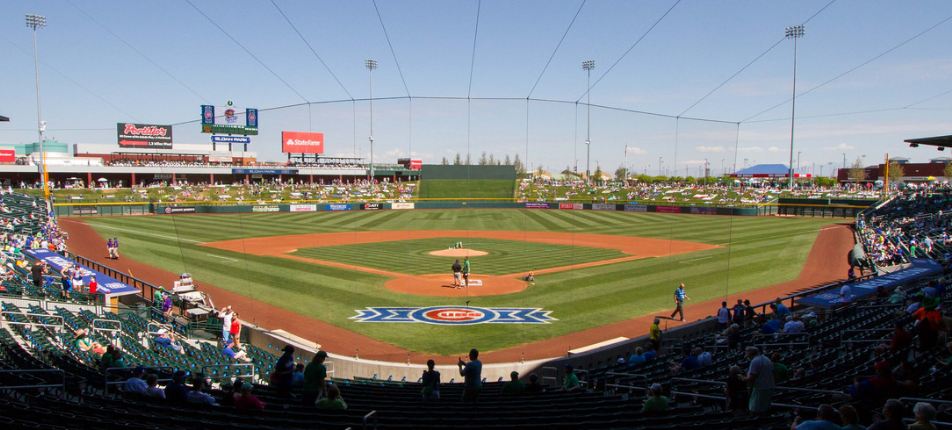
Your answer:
<point x="794" y="32"/>
<point x="588" y="65"/>
<point x="371" y="65"/>
<point x="35" y="22"/>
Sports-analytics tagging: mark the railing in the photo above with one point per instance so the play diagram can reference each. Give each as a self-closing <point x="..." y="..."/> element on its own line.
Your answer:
<point x="34" y="323"/>
<point x="156" y="369"/>
<point x="370" y="417"/>
<point x="117" y="325"/>
<point x="46" y="384"/>
<point x="250" y="374"/>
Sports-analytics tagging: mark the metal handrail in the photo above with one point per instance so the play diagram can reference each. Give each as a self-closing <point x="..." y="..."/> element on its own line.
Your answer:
<point x="33" y="323"/>
<point x="111" y="330"/>
<point x="370" y="415"/>
<point x="170" y="370"/>
<point x="61" y="385"/>
<point x="763" y="345"/>
<point x="920" y="399"/>
<point x="627" y="375"/>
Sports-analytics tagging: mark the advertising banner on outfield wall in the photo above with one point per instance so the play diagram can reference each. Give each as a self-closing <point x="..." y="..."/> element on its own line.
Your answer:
<point x="634" y="207"/>
<point x="302" y="142"/>
<point x="265" y="209"/>
<point x="339" y="207"/>
<point x="180" y="209"/>
<point x="372" y="206"/>
<point x="303" y="208"/>
<point x="150" y="136"/>
<point x="668" y="209"/>
<point x="401" y="205"/>
<point x="85" y="211"/>
<point x="571" y="206"/>
<point x="603" y="206"/>
<point x="703" y="211"/>
<point x="537" y="205"/>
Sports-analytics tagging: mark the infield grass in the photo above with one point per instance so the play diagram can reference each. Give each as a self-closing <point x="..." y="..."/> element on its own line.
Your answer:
<point x="754" y="251"/>
<point x="504" y="256"/>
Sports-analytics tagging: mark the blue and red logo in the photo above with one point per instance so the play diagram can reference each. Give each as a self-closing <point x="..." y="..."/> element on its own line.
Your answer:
<point x="454" y="315"/>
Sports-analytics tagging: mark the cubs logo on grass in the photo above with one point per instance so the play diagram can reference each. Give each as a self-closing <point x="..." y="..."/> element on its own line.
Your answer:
<point x="454" y="315"/>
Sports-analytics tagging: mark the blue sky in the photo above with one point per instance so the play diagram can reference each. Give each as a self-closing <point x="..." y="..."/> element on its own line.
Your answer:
<point x="91" y="79"/>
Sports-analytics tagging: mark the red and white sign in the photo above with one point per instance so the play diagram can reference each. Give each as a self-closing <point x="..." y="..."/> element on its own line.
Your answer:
<point x="8" y="156"/>
<point x="302" y="142"/>
<point x="303" y="208"/>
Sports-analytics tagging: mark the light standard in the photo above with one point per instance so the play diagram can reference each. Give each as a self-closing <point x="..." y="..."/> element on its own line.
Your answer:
<point x="371" y="65"/>
<point x="798" y="161"/>
<point x="588" y="65"/>
<point x="795" y="32"/>
<point x="660" y="172"/>
<point x="35" y="22"/>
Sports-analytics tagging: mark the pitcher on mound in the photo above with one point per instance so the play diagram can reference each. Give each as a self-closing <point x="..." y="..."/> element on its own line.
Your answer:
<point x="457" y="274"/>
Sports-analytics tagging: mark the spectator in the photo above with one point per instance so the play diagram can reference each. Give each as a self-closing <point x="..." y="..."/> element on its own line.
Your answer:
<point x="901" y="339"/>
<point x="749" y="312"/>
<point x="235" y="330"/>
<point x="333" y="401"/>
<point x="514" y="387"/>
<point x="679" y="297"/>
<point x="315" y="378"/>
<point x="637" y="358"/>
<point x="225" y="314"/>
<point x="739" y="311"/>
<point x="846" y="293"/>
<point x="781" y="372"/>
<point x="779" y="309"/>
<point x="37" y="272"/>
<point x="793" y="325"/>
<point x="176" y="390"/>
<point x="431" y="382"/>
<point x="234" y="351"/>
<point x="112" y="358"/>
<point x="654" y="334"/>
<point x="947" y="361"/>
<point x="656" y="402"/>
<point x="472" y="376"/>
<point x="153" y="389"/>
<point x="825" y="420"/>
<point x="733" y="336"/>
<point x="165" y="339"/>
<point x="198" y="395"/>
<point x="297" y="378"/>
<point x="135" y="384"/>
<point x="534" y="387"/>
<point x="925" y="413"/>
<point x="704" y="358"/>
<point x="247" y="401"/>
<point x="283" y="369"/>
<point x="571" y="382"/>
<point x="771" y="326"/>
<point x="892" y="417"/>
<point x="736" y="390"/>
<point x="167" y="306"/>
<point x="850" y="418"/>
<point x="760" y="379"/>
<point x="723" y="316"/>
<point x="84" y="343"/>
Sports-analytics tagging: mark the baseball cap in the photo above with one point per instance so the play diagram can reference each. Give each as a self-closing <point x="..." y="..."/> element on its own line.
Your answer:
<point x="656" y="387"/>
<point x="162" y="331"/>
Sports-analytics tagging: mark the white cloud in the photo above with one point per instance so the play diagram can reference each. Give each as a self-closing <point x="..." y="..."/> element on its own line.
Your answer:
<point x="773" y="149"/>
<point x="634" y="150"/>
<point x="693" y="162"/>
<point x="749" y="149"/>
<point x="840" y="147"/>
<point x="707" y="149"/>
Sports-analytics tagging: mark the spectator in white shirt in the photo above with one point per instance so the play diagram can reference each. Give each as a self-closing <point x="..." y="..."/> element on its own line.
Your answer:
<point x="793" y="325"/>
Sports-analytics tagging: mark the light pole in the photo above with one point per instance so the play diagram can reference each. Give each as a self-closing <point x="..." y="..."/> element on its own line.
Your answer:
<point x="660" y="172"/>
<point x="371" y="65"/>
<point x="844" y="160"/>
<point x="588" y="65"/>
<point x="798" y="161"/>
<point x="626" y="164"/>
<point x="795" y="32"/>
<point x="35" y="22"/>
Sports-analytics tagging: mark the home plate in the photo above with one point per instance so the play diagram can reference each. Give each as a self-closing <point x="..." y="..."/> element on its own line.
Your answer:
<point x="475" y="283"/>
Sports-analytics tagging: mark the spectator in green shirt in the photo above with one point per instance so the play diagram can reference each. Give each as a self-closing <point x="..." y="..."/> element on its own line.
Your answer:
<point x="315" y="378"/>
<point x="514" y="387"/>
<point x="655" y="402"/>
<point x="333" y="400"/>
<point x="571" y="382"/>
<point x="780" y="371"/>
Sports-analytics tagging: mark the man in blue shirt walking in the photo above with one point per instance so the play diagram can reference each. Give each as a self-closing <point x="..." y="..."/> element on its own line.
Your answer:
<point x="679" y="297"/>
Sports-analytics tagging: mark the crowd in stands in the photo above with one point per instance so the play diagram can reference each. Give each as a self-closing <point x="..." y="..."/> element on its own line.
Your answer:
<point x="915" y="224"/>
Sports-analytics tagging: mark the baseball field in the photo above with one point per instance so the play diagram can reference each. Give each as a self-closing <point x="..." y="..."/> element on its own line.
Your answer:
<point x="592" y="268"/>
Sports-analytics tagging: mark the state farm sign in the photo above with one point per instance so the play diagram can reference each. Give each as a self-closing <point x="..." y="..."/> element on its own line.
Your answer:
<point x="151" y="136"/>
<point x="302" y="142"/>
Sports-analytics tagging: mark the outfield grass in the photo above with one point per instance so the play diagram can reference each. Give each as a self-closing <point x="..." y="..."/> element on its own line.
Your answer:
<point x="504" y="256"/>
<point x="467" y="189"/>
<point x="761" y="251"/>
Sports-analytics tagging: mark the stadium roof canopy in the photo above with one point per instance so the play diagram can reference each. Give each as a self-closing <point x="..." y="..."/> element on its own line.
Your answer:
<point x="4" y="119"/>
<point x="940" y="141"/>
<point x="764" y="170"/>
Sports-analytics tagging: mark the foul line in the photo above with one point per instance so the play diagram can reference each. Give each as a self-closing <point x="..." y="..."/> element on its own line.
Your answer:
<point x="223" y="258"/>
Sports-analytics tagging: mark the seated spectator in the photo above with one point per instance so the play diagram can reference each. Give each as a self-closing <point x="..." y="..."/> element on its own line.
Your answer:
<point x="825" y="420"/>
<point x="656" y="402"/>
<point x="704" y="358"/>
<point x="165" y="339"/>
<point x="736" y="390"/>
<point x="245" y="401"/>
<point x="333" y="401"/>
<point x="901" y="338"/>
<point x="925" y="413"/>
<point x="112" y="358"/>
<point x="234" y="351"/>
<point x="781" y="372"/>
<point x="637" y="358"/>
<point x="176" y="391"/>
<point x="431" y="382"/>
<point x="779" y="309"/>
<point x="514" y="387"/>
<point x="650" y="353"/>
<point x="153" y="391"/>
<point x="850" y="418"/>
<point x="793" y="325"/>
<point x="771" y="326"/>
<point x="892" y="417"/>
<point x="297" y="378"/>
<point x="84" y="343"/>
<point x="534" y="386"/>
<point x="135" y="384"/>
<point x="571" y="382"/>
<point x="198" y="395"/>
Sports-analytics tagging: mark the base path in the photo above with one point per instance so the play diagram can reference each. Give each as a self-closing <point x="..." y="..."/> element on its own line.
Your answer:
<point x="635" y="248"/>
<point x="824" y="264"/>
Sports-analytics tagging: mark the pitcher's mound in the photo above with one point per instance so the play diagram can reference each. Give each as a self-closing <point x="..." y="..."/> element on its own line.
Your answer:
<point x="458" y="252"/>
